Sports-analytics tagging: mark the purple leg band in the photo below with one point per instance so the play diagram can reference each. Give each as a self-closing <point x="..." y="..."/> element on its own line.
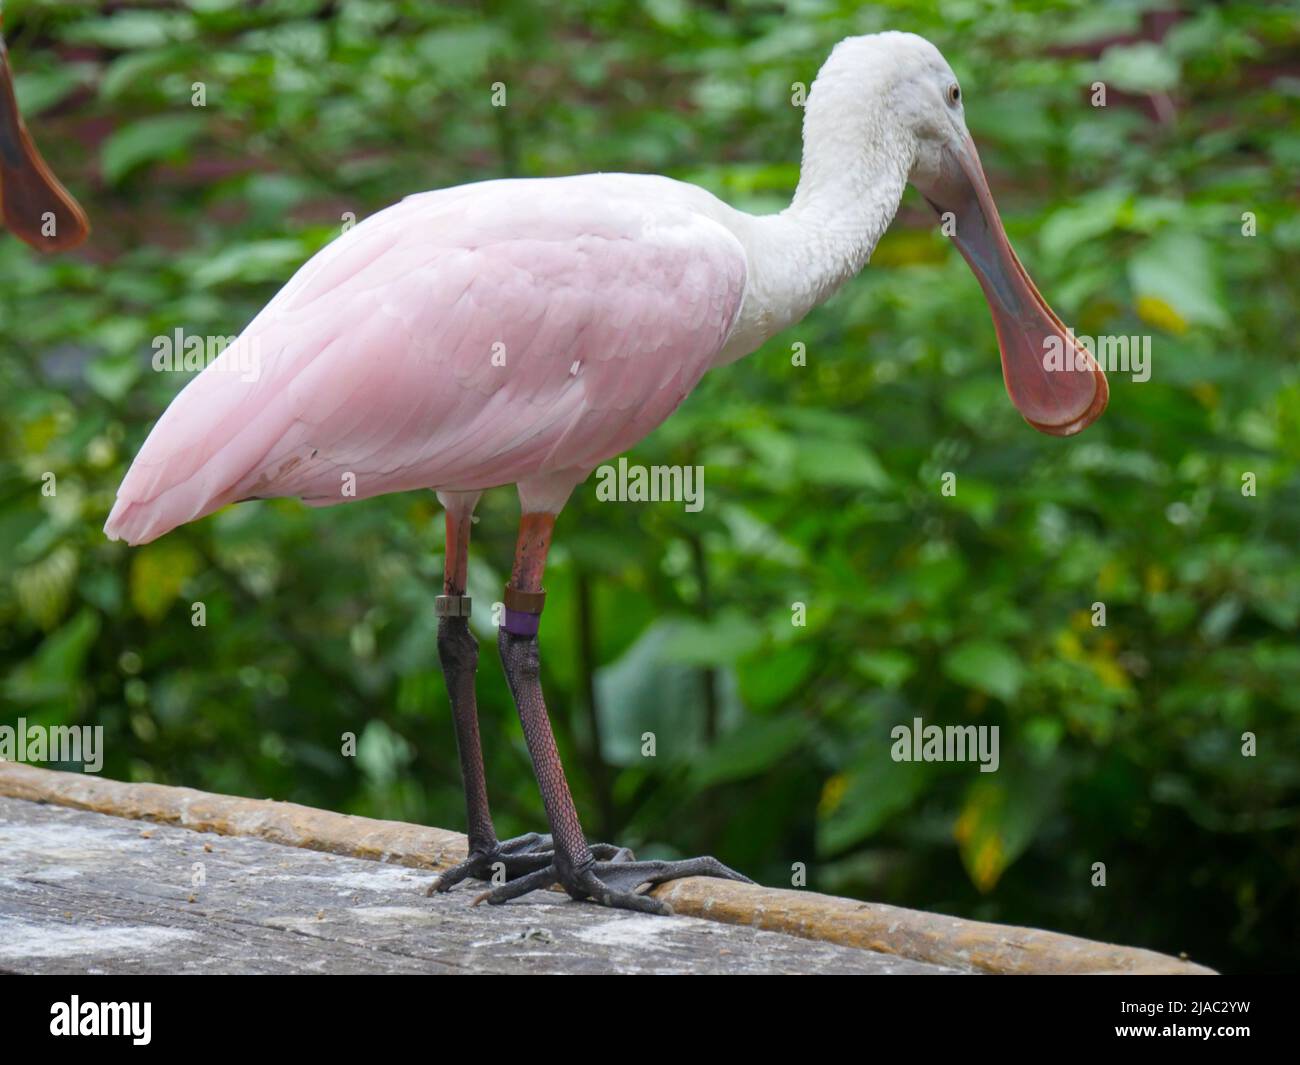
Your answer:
<point x="521" y="623"/>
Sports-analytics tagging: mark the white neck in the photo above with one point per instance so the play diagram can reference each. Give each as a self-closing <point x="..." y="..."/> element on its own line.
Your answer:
<point x="856" y="161"/>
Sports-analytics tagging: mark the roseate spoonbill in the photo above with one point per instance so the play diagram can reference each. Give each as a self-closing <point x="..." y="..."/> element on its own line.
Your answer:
<point x="37" y="209"/>
<point x="604" y="298"/>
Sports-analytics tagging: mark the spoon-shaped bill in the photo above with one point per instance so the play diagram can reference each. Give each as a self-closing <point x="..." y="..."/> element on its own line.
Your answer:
<point x="36" y="207"/>
<point x="1053" y="380"/>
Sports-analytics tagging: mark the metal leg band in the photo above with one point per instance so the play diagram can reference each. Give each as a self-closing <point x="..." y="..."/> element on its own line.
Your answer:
<point x="452" y="606"/>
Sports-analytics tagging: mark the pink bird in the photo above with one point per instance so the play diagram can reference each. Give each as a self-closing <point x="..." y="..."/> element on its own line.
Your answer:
<point x="525" y="331"/>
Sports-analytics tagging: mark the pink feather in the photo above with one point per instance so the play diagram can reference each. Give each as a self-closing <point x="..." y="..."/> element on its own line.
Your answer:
<point x="504" y="332"/>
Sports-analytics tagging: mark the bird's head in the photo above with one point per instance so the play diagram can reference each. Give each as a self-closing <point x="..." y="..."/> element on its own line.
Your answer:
<point x="1053" y="380"/>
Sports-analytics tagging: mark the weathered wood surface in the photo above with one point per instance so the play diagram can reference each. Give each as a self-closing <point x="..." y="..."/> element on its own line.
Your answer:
<point x="948" y="942"/>
<point x="84" y="892"/>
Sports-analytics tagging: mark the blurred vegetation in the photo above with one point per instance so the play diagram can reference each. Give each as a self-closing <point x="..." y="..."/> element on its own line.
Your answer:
<point x="1120" y="744"/>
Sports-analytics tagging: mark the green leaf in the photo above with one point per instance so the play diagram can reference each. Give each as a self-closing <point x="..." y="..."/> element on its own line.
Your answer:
<point x="255" y="261"/>
<point x="57" y="665"/>
<point x="45" y="586"/>
<point x="840" y="463"/>
<point x="888" y="667"/>
<point x="647" y="692"/>
<point x="1138" y="68"/>
<point x="38" y="91"/>
<point x="1177" y="268"/>
<point x="757" y="745"/>
<point x="158" y="572"/>
<point x="998" y="821"/>
<point x="1073" y="224"/>
<point x="382" y="754"/>
<point x="771" y="679"/>
<point x="137" y="68"/>
<point x="986" y="666"/>
<point x="113" y="375"/>
<point x="132" y="29"/>
<point x="866" y="797"/>
<point x="719" y="641"/>
<point x="460" y="52"/>
<point x="147" y="141"/>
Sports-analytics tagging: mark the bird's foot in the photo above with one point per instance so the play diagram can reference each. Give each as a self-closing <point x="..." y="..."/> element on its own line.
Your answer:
<point x="510" y="859"/>
<point x="620" y="883"/>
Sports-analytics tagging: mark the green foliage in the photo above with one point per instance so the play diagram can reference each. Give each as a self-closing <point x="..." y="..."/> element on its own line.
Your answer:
<point x="1119" y="744"/>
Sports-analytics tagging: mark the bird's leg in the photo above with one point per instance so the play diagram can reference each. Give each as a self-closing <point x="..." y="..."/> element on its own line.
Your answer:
<point x="458" y="653"/>
<point x="576" y="866"/>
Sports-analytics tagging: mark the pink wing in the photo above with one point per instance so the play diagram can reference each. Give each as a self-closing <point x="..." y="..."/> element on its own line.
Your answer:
<point x="462" y="339"/>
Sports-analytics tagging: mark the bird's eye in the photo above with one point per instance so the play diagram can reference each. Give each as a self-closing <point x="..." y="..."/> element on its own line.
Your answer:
<point x="954" y="93"/>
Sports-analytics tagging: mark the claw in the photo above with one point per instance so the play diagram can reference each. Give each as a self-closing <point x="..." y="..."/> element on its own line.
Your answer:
<point x="619" y="882"/>
<point x="542" y="878"/>
<point x="628" y="876"/>
<point x="523" y="854"/>
<point x="519" y="857"/>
